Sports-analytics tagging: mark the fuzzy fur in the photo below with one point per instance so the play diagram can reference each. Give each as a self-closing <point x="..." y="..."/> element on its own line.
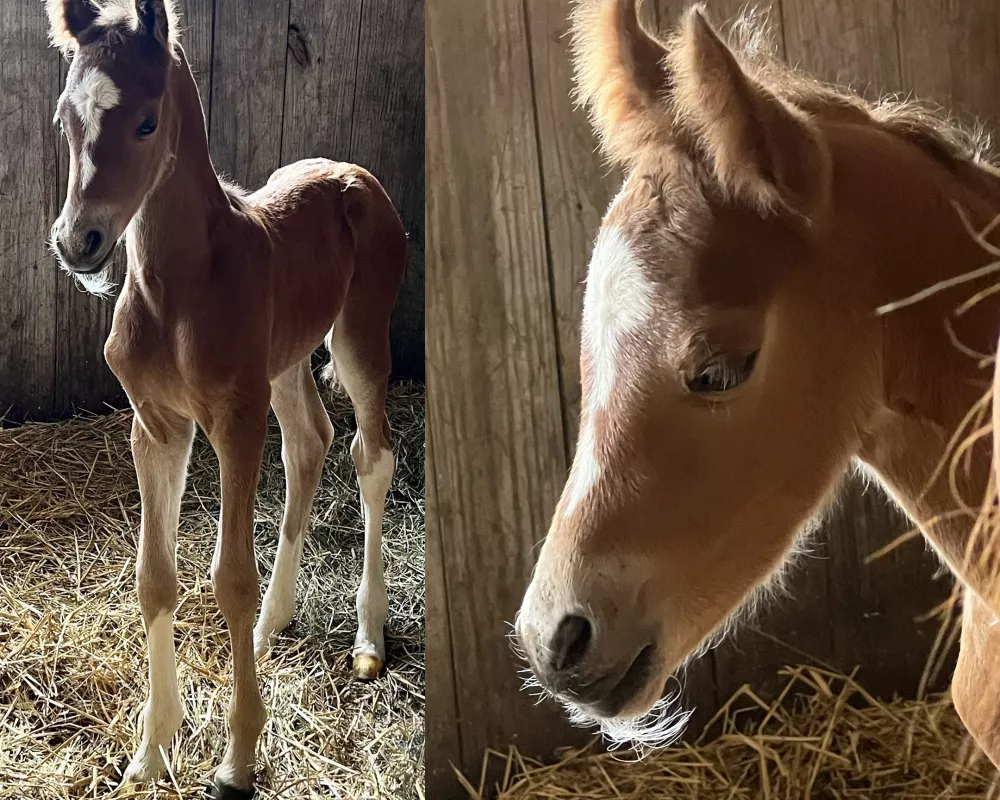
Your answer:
<point x="730" y="104"/>
<point x="67" y="20"/>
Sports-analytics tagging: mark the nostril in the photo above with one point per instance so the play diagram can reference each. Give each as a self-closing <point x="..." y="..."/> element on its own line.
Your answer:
<point x="92" y="243"/>
<point x="570" y="643"/>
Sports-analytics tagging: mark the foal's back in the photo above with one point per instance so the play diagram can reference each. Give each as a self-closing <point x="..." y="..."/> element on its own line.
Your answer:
<point x="331" y="236"/>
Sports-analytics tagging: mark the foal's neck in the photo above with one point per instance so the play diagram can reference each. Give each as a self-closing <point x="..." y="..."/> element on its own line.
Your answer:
<point x="168" y="239"/>
<point x="929" y="385"/>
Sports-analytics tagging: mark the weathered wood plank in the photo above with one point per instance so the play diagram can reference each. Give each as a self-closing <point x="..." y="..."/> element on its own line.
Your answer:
<point x="198" y="27"/>
<point x="494" y="418"/>
<point x="29" y="88"/>
<point x="442" y="744"/>
<point x="322" y="63"/>
<point x="387" y="138"/>
<point x="948" y="53"/>
<point x="849" y="43"/>
<point x="248" y="87"/>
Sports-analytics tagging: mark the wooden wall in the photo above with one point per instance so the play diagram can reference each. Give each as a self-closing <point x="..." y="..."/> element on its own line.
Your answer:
<point x="280" y="80"/>
<point x="516" y="195"/>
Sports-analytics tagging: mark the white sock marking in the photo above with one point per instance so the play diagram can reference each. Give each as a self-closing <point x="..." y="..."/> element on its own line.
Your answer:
<point x="278" y="605"/>
<point x="164" y="712"/>
<point x="373" y="601"/>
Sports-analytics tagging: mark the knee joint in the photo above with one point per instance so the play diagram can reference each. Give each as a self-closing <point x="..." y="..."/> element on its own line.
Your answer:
<point x="157" y="592"/>
<point x="236" y="590"/>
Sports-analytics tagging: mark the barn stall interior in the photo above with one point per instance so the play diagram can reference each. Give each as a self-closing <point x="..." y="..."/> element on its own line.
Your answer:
<point x="279" y="82"/>
<point x="522" y="191"/>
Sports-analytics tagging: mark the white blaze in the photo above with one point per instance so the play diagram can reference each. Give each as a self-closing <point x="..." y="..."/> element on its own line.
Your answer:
<point x="617" y="303"/>
<point x="93" y="94"/>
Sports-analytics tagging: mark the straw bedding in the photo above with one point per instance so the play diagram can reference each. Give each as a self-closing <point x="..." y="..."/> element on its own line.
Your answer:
<point x="828" y="739"/>
<point x="72" y="652"/>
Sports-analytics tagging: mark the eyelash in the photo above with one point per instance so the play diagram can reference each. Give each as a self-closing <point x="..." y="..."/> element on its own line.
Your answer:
<point x="719" y="375"/>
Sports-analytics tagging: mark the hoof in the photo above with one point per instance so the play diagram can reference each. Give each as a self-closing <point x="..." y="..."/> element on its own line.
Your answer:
<point x="147" y="765"/>
<point x="367" y="667"/>
<point x="220" y="790"/>
<point x="261" y="644"/>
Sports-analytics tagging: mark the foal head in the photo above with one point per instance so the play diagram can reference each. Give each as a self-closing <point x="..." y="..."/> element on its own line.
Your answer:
<point x="117" y="118"/>
<point x="730" y="359"/>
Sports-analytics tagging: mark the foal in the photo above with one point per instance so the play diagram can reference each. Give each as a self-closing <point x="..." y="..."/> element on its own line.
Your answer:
<point x="733" y="363"/>
<point x="227" y="294"/>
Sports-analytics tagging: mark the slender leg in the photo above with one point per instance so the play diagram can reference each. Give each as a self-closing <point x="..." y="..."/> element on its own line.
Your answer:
<point x="975" y="686"/>
<point x="365" y="382"/>
<point x="375" y="464"/>
<point x="238" y="440"/>
<point x="161" y="455"/>
<point x="306" y="436"/>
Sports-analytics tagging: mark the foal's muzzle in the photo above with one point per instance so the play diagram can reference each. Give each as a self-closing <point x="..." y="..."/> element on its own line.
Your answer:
<point x="83" y="246"/>
<point x="600" y="662"/>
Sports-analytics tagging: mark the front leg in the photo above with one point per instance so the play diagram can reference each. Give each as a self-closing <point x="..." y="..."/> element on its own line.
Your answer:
<point x="161" y="446"/>
<point x="238" y="439"/>
<point x="975" y="687"/>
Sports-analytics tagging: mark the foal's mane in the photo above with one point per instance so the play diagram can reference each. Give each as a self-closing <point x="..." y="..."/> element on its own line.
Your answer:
<point x="604" y="88"/>
<point x="750" y="36"/>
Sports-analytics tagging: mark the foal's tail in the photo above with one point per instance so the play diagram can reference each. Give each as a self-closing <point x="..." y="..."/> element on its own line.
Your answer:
<point x="359" y="339"/>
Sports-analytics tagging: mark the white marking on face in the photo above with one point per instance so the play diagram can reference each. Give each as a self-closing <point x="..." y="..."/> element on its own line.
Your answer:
<point x="92" y="95"/>
<point x="586" y="469"/>
<point x="617" y="303"/>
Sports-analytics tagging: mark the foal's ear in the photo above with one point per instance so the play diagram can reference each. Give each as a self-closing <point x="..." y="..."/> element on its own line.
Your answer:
<point x="621" y="77"/>
<point x="158" y="19"/>
<point x="763" y="150"/>
<point x="68" y="21"/>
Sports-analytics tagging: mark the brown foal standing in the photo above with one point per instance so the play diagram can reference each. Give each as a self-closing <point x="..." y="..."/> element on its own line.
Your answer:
<point x="227" y="294"/>
<point x="737" y="357"/>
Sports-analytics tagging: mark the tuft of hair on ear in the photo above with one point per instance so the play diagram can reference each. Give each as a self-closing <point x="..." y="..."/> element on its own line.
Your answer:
<point x="621" y="77"/>
<point x="159" y="19"/>
<point x="68" y="21"/>
<point x="762" y="149"/>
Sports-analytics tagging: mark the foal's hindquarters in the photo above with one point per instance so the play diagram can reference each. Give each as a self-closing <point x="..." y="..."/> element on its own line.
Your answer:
<point x="221" y="364"/>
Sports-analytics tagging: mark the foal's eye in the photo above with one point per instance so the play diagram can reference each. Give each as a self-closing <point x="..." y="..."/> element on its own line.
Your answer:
<point x="146" y="128"/>
<point x="722" y="373"/>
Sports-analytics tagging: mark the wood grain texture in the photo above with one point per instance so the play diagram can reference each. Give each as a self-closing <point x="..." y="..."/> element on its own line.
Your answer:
<point x="29" y="87"/>
<point x="494" y="419"/>
<point x="948" y="52"/>
<point x="851" y="43"/>
<point x="322" y="62"/>
<point x="442" y="744"/>
<point x="387" y="138"/>
<point x="198" y="24"/>
<point x="248" y="88"/>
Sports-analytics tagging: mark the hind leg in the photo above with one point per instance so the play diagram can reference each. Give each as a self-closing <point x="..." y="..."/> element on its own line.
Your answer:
<point x="306" y="436"/>
<point x="364" y="372"/>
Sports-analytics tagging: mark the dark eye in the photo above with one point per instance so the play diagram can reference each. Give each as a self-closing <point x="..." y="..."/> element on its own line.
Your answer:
<point x="146" y="128"/>
<point x="722" y="373"/>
